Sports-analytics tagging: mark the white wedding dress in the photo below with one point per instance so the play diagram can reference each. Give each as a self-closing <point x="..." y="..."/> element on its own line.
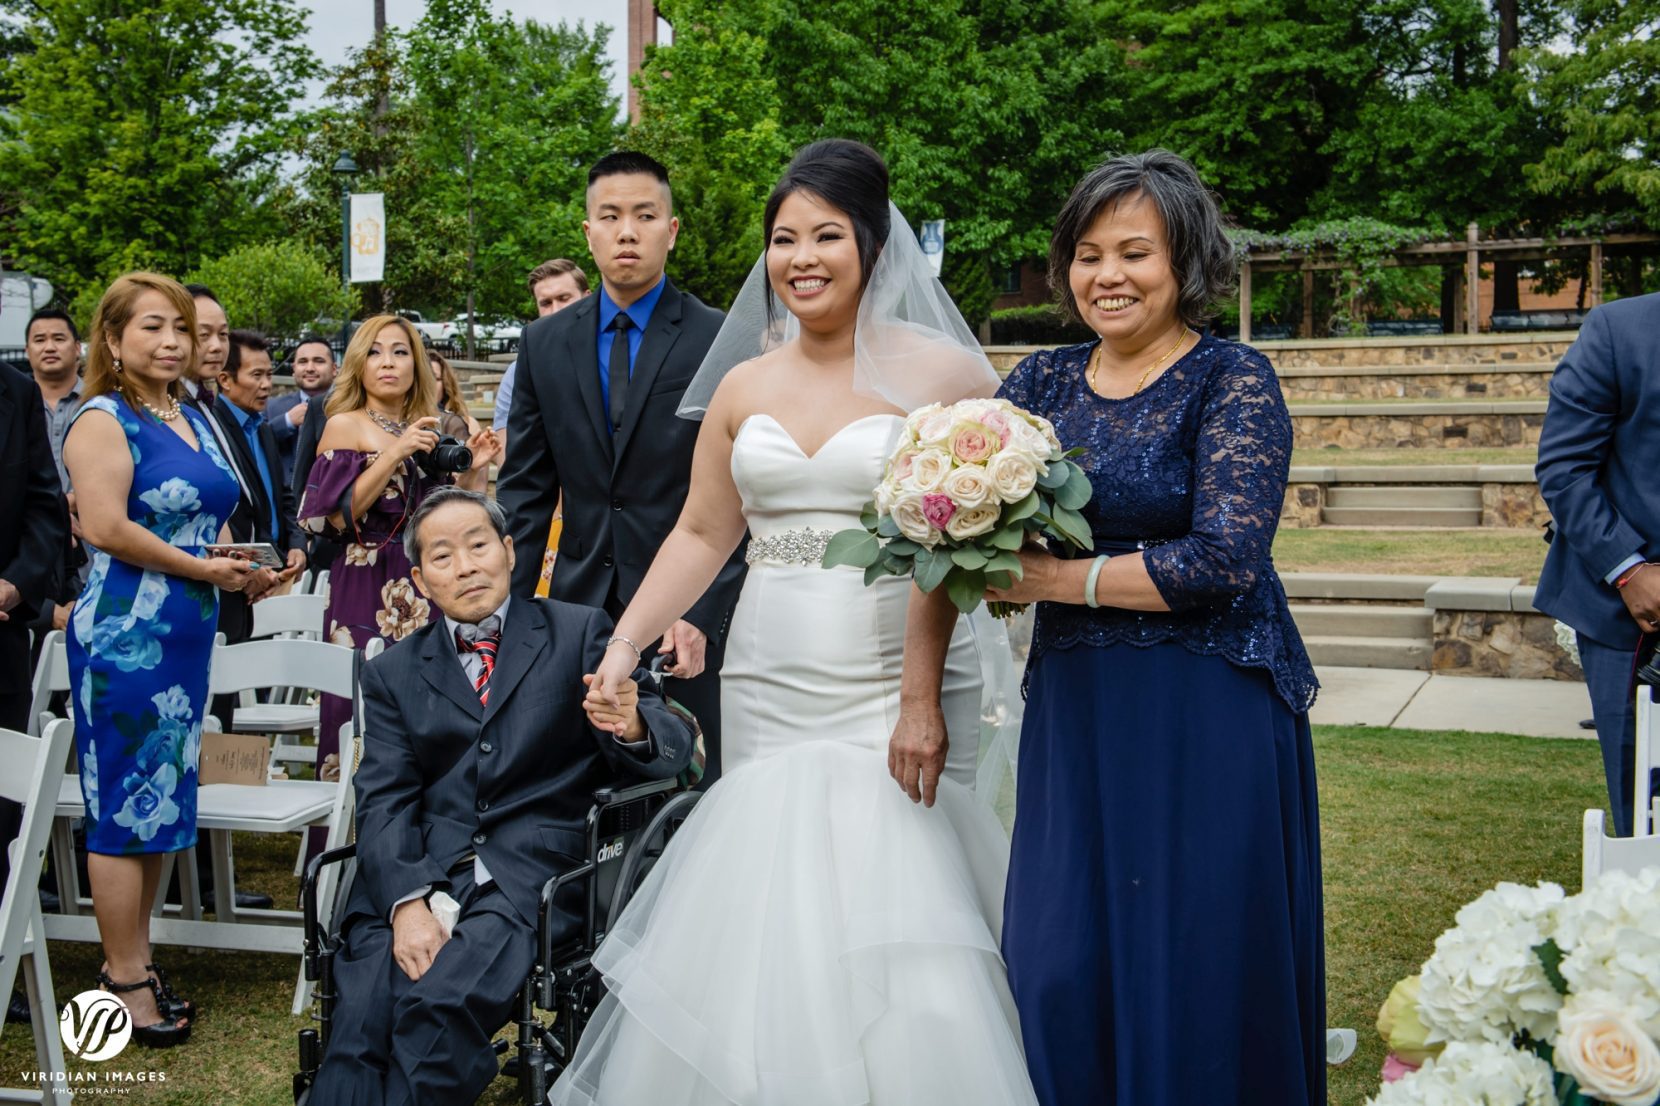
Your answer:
<point x="811" y="937"/>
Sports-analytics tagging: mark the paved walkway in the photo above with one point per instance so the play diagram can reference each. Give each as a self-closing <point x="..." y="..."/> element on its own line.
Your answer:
<point x="1420" y="701"/>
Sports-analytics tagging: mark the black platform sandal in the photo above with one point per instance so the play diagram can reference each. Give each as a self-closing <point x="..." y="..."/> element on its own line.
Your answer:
<point x="163" y="1034"/>
<point x="171" y="1003"/>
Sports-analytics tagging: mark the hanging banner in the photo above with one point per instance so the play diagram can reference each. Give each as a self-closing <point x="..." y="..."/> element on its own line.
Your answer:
<point x="933" y="243"/>
<point x="368" y="223"/>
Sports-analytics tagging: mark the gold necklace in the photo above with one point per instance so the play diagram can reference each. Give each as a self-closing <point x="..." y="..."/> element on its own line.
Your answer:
<point x="1095" y="364"/>
<point x="167" y="414"/>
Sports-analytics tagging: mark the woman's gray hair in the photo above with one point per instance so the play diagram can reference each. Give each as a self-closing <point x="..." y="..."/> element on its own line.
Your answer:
<point x="1201" y="253"/>
<point x="438" y="498"/>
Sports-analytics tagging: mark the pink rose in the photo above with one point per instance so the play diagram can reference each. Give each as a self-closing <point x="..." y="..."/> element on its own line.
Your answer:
<point x="902" y="464"/>
<point x="971" y="443"/>
<point x="938" y="509"/>
<point x="999" y="422"/>
<point x="1395" y="1068"/>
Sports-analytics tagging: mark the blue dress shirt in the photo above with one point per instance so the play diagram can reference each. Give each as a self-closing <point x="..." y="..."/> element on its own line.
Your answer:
<point x="639" y="314"/>
<point x="250" y="423"/>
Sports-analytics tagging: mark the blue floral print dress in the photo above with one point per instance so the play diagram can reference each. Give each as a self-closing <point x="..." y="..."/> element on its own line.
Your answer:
<point x="140" y="642"/>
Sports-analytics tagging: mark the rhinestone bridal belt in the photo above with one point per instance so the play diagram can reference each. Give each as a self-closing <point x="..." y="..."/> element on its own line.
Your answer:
<point x="803" y="546"/>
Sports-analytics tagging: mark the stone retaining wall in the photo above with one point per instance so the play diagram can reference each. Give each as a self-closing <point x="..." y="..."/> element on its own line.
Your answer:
<point x="1472" y="385"/>
<point x="1450" y="432"/>
<point x="1514" y="644"/>
<point x="1447" y="350"/>
<point x="1303" y="504"/>
<point x="1518" y="506"/>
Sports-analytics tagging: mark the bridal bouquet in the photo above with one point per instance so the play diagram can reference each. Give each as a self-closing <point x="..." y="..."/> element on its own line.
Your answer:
<point x="965" y="488"/>
<point x="1535" y="998"/>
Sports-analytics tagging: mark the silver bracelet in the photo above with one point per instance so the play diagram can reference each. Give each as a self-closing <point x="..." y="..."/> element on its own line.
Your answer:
<point x="638" y="656"/>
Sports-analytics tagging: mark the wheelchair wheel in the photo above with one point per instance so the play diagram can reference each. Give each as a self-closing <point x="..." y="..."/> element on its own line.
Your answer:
<point x="643" y="857"/>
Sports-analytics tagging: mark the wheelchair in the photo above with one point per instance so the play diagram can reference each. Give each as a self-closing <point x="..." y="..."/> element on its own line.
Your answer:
<point x="627" y="830"/>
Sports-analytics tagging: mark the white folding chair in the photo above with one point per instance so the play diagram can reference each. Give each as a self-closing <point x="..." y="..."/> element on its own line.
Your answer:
<point x="275" y="663"/>
<point x="294" y="615"/>
<point x="34" y="769"/>
<point x="1645" y="806"/>
<point x="1602" y="853"/>
<point x="51" y="677"/>
<point x="320" y="585"/>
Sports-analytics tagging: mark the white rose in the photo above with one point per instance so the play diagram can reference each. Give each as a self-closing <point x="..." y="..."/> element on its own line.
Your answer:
<point x="1013" y="475"/>
<point x="929" y="470"/>
<point x="971" y="522"/>
<point x="884" y="497"/>
<point x="907" y="515"/>
<point x="934" y="428"/>
<point x="967" y="487"/>
<point x="1028" y="439"/>
<point x="1606" y="1051"/>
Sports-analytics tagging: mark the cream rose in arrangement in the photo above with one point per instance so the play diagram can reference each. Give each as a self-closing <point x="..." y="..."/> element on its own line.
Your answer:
<point x="966" y="487"/>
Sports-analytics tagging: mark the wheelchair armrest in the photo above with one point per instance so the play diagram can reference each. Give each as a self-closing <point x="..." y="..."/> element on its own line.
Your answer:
<point x="611" y="796"/>
<point x="313" y="940"/>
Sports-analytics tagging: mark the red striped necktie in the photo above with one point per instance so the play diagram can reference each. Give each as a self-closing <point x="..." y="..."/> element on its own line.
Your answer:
<point x="485" y="646"/>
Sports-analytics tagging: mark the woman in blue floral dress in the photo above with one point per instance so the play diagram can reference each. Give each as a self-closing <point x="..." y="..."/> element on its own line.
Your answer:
<point x="1163" y="925"/>
<point x="152" y="492"/>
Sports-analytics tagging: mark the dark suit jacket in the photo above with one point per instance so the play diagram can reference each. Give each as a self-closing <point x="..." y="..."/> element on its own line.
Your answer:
<point x="443" y="777"/>
<point x="622" y="496"/>
<point x="1599" y="467"/>
<point x="251" y="521"/>
<point x="36" y="521"/>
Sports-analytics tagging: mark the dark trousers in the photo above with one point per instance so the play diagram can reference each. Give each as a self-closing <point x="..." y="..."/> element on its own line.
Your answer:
<point x="1608" y="673"/>
<point x="395" y="1041"/>
<point x="14" y="715"/>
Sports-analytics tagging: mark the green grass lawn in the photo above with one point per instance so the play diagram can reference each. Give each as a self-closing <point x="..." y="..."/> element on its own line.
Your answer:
<point x="1502" y="455"/>
<point x="1414" y="825"/>
<point x="1490" y="552"/>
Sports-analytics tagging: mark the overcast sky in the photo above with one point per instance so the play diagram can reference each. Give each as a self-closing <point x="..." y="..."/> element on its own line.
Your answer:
<point x="340" y="25"/>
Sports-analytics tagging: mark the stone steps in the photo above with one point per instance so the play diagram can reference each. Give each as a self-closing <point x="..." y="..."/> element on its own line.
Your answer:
<point x="1402" y="518"/>
<point x="1515" y="380"/>
<point x="1369" y="652"/>
<point x="1405" y="496"/>
<point x="1377" y="620"/>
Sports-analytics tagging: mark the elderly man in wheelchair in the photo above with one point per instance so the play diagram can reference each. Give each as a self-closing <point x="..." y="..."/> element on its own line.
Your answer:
<point x="478" y="881"/>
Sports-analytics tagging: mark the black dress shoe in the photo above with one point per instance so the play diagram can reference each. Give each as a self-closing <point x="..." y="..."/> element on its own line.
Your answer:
<point x="17" y="1010"/>
<point x="50" y="903"/>
<point x="245" y="900"/>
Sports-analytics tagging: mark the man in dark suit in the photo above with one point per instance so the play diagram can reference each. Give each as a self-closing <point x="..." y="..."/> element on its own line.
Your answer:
<point x="593" y="417"/>
<point x="266" y="512"/>
<point x="34" y="535"/>
<point x="476" y="780"/>
<point x="1599" y="458"/>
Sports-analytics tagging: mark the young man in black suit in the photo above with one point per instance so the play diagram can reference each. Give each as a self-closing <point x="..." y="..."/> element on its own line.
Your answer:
<point x="476" y="779"/>
<point x="32" y="540"/>
<point x="593" y="417"/>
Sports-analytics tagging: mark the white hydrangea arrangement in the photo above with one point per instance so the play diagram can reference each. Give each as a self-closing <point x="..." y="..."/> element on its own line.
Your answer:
<point x="966" y="486"/>
<point x="1529" y="980"/>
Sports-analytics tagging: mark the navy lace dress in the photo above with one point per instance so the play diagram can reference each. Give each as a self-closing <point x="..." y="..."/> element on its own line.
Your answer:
<point x="1163" y="924"/>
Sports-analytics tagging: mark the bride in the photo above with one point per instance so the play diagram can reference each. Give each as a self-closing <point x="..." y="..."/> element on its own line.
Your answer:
<point x="816" y="935"/>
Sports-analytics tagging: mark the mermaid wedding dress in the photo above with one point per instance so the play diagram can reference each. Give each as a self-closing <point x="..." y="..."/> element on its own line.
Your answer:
<point x="811" y="937"/>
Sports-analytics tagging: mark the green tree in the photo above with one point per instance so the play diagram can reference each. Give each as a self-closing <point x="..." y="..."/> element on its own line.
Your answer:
<point x="1604" y="96"/>
<point x="279" y="288"/>
<point x="144" y="132"/>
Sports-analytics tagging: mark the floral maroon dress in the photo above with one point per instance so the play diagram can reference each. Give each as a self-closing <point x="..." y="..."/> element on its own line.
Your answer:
<point x="370" y="592"/>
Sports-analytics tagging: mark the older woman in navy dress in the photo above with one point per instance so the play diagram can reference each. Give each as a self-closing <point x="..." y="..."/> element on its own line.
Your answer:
<point x="1163" y="925"/>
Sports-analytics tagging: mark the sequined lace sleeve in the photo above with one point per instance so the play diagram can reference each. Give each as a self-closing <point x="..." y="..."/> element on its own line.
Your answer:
<point x="1241" y="460"/>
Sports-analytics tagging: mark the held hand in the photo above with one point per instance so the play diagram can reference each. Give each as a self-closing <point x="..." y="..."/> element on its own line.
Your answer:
<point x="485" y="448"/>
<point x="1642" y="597"/>
<point x="227" y="573"/>
<point x="416" y="938"/>
<point x="620" y="717"/>
<point x="421" y="437"/>
<point x="60" y="615"/>
<point x="688" y="644"/>
<point x="74" y="517"/>
<point x="1036" y="583"/>
<point x="296" y="413"/>
<point x="616" y="668"/>
<point x="9" y="596"/>
<point x="260" y="583"/>
<point x="916" y="751"/>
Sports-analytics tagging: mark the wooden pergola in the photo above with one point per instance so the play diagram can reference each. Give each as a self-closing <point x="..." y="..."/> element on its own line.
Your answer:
<point x="1466" y="254"/>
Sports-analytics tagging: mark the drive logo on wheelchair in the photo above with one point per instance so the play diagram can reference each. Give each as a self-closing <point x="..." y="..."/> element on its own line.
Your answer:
<point x="613" y="851"/>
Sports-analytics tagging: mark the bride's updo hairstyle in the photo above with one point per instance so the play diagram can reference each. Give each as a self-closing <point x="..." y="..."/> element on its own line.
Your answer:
<point x="846" y="175"/>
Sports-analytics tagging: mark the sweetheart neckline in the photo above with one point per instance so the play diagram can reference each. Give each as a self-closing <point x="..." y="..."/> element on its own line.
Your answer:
<point x="844" y="428"/>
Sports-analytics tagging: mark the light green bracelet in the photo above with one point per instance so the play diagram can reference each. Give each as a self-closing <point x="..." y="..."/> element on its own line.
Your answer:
<point x="1089" y="582"/>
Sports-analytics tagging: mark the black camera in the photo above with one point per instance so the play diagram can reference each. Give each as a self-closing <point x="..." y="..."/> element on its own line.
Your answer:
<point x="1648" y="661"/>
<point x="446" y="458"/>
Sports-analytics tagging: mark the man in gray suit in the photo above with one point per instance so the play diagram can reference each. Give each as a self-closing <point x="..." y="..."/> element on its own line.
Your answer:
<point x="1599" y="473"/>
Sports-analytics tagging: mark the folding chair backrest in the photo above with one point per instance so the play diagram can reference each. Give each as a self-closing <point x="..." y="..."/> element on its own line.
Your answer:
<point x="320" y="585"/>
<point x="290" y="614"/>
<point x="34" y="769"/>
<point x="1610" y="854"/>
<point x="282" y="662"/>
<point x="51" y="676"/>
<point x="1648" y="761"/>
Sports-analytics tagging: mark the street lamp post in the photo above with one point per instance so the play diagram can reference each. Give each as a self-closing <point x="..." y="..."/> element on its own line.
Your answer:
<point x="345" y="167"/>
